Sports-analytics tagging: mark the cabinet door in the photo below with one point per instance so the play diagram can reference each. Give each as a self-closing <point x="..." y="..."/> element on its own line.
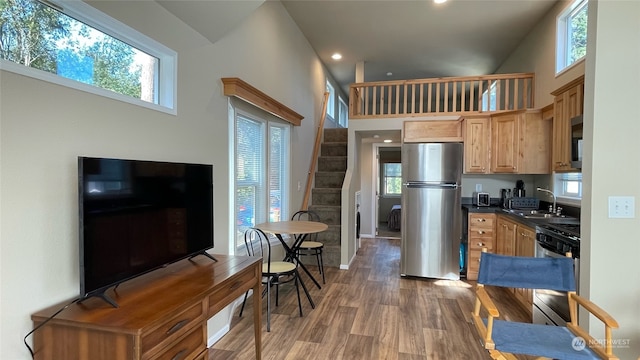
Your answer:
<point x="505" y="148"/>
<point x="505" y="237"/>
<point x="535" y="143"/>
<point x="566" y="105"/>
<point x="525" y="246"/>
<point x="476" y="145"/>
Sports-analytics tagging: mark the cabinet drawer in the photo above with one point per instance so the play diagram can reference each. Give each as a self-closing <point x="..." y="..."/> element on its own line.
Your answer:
<point x="481" y="221"/>
<point x="173" y="328"/>
<point x="231" y="290"/>
<point x="481" y="233"/>
<point x="190" y="347"/>
<point x="477" y="243"/>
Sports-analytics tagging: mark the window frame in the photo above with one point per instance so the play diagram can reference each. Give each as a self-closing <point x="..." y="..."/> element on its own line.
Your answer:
<point x="166" y="84"/>
<point x="559" y="186"/>
<point x="238" y="109"/>
<point x="563" y="38"/>
<point x="331" y="101"/>
<point x="343" y="113"/>
<point x="384" y="177"/>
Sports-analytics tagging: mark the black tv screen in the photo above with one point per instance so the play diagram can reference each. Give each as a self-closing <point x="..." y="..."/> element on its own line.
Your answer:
<point x="136" y="216"/>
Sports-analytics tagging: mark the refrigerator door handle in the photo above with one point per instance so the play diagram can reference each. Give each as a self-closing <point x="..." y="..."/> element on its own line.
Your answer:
<point x="418" y="184"/>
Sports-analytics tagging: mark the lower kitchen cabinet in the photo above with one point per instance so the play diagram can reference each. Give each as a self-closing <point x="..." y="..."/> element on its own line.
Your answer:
<point x="505" y="236"/>
<point x="525" y="246"/>
<point x="481" y="235"/>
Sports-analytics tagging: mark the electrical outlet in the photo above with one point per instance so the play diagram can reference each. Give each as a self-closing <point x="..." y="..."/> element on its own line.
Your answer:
<point x="478" y="187"/>
<point x="622" y="207"/>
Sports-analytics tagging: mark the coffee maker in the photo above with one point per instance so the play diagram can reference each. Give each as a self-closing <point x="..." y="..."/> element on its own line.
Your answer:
<point x="518" y="191"/>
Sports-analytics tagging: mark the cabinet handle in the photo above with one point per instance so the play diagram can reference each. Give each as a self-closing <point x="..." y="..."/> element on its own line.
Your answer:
<point x="480" y="232"/>
<point x="178" y="356"/>
<point x="482" y="220"/>
<point x="179" y="325"/>
<point x="480" y="244"/>
<point x="504" y="225"/>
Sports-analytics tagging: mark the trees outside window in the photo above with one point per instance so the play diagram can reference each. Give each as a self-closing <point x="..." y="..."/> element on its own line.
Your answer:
<point x="571" y="28"/>
<point x="63" y="42"/>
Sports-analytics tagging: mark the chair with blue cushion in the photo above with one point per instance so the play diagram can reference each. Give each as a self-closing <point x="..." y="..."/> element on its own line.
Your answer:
<point x="503" y="338"/>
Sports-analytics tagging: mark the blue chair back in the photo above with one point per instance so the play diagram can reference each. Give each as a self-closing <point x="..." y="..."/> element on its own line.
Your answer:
<point x="527" y="272"/>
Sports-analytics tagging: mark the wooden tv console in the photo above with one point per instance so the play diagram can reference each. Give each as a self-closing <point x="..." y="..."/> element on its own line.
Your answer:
<point x="161" y="315"/>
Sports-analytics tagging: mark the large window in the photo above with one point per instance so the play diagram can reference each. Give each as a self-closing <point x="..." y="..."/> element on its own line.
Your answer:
<point x="73" y="44"/>
<point x="261" y="171"/>
<point x="571" y="44"/>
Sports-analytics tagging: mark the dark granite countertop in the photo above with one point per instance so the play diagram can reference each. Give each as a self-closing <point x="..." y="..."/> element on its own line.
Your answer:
<point x="531" y="222"/>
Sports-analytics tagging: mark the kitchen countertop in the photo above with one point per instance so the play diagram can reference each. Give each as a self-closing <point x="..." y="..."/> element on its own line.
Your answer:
<point x="531" y="222"/>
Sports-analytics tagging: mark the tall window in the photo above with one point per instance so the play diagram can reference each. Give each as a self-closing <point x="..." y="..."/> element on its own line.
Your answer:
<point x="74" y="41"/>
<point x="391" y="179"/>
<point x="343" y="113"/>
<point x="261" y="172"/>
<point x="331" y="101"/>
<point x="571" y="28"/>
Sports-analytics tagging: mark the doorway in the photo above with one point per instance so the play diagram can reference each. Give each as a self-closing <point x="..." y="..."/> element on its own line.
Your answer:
<point x="388" y="185"/>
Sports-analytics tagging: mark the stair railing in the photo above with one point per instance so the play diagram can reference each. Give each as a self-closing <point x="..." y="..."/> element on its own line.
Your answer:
<point x="314" y="156"/>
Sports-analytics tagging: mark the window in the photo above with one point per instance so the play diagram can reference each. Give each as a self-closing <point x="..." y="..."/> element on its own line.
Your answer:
<point x="568" y="185"/>
<point x="343" y="113"/>
<point x="73" y="44"/>
<point x="571" y="28"/>
<point x="489" y="98"/>
<point x="261" y="171"/>
<point x="392" y="179"/>
<point x="331" y="102"/>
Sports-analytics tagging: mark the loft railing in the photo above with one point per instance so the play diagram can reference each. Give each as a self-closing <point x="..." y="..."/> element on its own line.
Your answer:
<point x="441" y="96"/>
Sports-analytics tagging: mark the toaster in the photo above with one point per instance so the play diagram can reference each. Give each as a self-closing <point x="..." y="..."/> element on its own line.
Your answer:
<point x="481" y="199"/>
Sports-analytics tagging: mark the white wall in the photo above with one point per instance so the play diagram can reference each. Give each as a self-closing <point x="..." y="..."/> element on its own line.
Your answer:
<point x="44" y="127"/>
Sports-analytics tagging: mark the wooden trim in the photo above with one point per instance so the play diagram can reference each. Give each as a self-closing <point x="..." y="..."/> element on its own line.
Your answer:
<point x="569" y="85"/>
<point x="236" y="87"/>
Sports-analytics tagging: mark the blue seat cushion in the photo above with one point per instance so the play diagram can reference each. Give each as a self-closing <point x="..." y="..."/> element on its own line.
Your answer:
<point x="555" y="342"/>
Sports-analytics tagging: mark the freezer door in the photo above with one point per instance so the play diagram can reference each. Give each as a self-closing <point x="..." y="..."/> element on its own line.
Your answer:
<point x="432" y="162"/>
<point x="431" y="225"/>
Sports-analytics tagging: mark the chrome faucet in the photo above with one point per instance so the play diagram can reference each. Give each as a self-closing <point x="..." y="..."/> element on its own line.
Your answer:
<point x="553" y="210"/>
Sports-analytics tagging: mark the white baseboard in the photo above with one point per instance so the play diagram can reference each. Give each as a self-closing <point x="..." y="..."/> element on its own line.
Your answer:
<point x="214" y="338"/>
<point x="218" y="335"/>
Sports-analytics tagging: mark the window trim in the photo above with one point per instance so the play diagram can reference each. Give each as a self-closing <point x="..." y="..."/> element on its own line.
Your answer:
<point x="344" y="122"/>
<point x="563" y="198"/>
<point x="167" y="64"/>
<point x="331" y="101"/>
<point x="561" y="48"/>
<point x="383" y="182"/>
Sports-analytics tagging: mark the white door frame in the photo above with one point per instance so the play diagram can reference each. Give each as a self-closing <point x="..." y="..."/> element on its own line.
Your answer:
<point x="375" y="180"/>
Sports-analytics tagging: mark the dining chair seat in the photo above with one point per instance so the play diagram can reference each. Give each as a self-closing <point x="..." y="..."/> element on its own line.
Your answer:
<point x="311" y="247"/>
<point x="279" y="267"/>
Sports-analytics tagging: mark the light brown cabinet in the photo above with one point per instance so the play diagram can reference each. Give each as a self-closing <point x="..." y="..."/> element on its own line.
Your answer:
<point x="525" y="246"/>
<point x="521" y="142"/>
<point x="568" y="103"/>
<point x="505" y="236"/>
<point x="477" y="140"/>
<point x="481" y="234"/>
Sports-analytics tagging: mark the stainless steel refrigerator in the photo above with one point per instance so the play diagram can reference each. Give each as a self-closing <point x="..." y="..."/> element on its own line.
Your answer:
<point x="431" y="215"/>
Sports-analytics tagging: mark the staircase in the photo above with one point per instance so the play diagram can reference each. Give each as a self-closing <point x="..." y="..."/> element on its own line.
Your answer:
<point x="327" y="191"/>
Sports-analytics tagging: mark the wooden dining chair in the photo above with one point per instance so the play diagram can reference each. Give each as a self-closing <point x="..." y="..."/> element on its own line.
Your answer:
<point x="274" y="273"/>
<point x="504" y="338"/>
<point x="311" y="247"/>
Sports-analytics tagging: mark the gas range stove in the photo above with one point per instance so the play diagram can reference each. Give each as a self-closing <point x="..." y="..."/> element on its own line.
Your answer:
<point x="560" y="238"/>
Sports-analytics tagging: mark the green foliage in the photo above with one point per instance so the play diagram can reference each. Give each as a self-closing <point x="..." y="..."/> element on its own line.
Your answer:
<point x="38" y="36"/>
<point x="579" y="35"/>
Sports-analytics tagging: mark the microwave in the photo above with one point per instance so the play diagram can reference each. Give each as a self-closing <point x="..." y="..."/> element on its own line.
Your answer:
<point x="576" y="142"/>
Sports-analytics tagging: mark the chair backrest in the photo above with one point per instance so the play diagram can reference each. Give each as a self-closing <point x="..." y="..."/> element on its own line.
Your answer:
<point x="527" y="272"/>
<point x="307" y="215"/>
<point x="257" y="243"/>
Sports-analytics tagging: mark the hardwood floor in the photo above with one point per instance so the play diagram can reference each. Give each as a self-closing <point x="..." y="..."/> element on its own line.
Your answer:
<point x="367" y="312"/>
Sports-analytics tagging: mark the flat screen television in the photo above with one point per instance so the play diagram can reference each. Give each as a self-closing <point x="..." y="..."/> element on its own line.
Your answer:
<point x="137" y="216"/>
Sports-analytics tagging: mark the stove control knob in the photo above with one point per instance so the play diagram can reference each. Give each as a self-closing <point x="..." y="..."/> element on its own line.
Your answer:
<point x="566" y="248"/>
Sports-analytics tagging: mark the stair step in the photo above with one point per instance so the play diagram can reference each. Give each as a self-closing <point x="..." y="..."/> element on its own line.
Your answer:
<point x="329" y="179"/>
<point x="333" y="149"/>
<point x="329" y="215"/>
<point x="332" y="163"/>
<point x="335" y="135"/>
<point x="326" y="196"/>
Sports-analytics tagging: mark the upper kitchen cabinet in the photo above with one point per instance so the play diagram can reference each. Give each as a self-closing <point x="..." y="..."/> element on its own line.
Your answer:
<point x="477" y="137"/>
<point x="521" y="142"/>
<point x="568" y="103"/>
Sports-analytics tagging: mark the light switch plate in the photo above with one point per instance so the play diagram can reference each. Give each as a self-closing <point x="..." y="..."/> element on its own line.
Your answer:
<point x="478" y="187"/>
<point x="622" y="207"/>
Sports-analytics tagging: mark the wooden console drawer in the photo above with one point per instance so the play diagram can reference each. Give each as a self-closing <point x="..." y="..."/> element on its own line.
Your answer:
<point x="173" y="328"/>
<point x="190" y="347"/>
<point x="231" y="290"/>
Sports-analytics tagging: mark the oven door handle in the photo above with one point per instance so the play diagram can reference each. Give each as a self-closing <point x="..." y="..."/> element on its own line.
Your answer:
<point x="544" y="252"/>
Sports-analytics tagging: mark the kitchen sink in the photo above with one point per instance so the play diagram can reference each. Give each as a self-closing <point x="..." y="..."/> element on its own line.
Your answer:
<point x="533" y="214"/>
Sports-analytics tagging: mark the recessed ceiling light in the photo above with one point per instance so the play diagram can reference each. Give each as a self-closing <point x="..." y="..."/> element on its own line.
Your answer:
<point x="376" y="136"/>
<point x="336" y="56"/>
<point x="389" y="73"/>
<point x="439" y="1"/>
<point x="388" y="140"/>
